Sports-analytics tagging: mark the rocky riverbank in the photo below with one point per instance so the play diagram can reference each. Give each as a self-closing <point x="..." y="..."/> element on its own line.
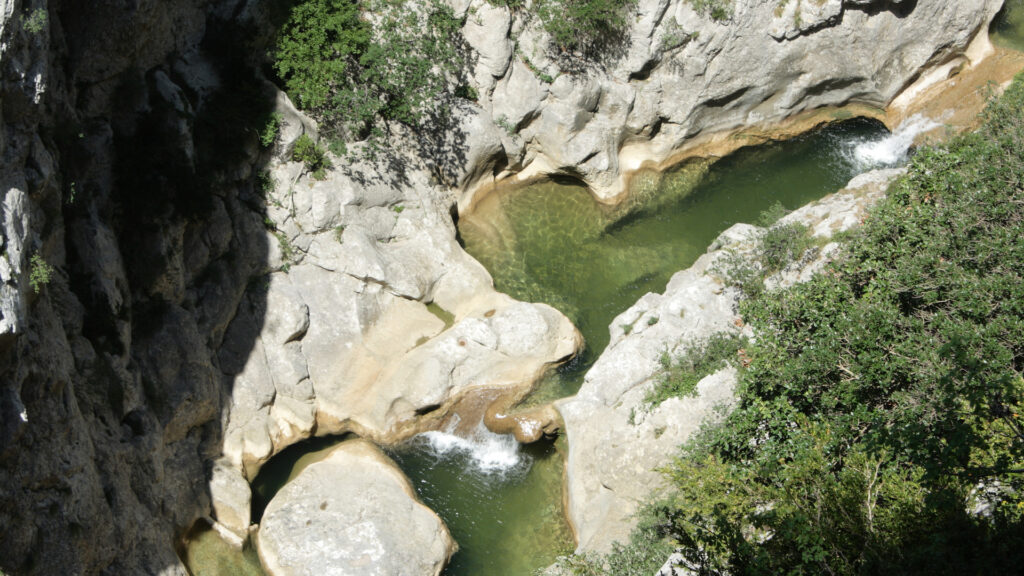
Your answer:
<point x="617" y="444"/>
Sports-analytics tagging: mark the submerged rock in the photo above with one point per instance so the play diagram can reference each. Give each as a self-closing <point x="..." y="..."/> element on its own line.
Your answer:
<point x="616" y="445"/>
<point x="352" y="514"/>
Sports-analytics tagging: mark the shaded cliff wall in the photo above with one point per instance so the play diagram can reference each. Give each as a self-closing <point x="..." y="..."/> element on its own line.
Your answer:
<point x="128" y="158"/>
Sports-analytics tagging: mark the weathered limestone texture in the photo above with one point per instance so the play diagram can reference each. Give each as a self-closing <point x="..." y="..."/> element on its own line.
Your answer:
<point x="347" y="341"/>
<point x="684" y="78"/>
<point x="109" y="401"/>
<point x="352" y="514"/>
<point x="615" y="445"/>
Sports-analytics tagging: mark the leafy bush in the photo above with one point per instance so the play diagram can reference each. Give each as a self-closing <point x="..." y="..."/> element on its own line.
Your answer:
<point x="878" y="427"/>
<point x="584" y="25"/>
<point x="312" y="155"/>
<point x="271" y="128"/>
<point x="777" y="248"/>
<point x="36" y="21"/>
<point x="355" y="63"/>
<point x="772" y="214"/>
<point x="40" y="273"/>
<point x="781" y="245"/>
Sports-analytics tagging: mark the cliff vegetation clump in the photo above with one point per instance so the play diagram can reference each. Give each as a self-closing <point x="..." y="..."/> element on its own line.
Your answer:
<point x="879" y="424"/>
<point x="356" y="64"/>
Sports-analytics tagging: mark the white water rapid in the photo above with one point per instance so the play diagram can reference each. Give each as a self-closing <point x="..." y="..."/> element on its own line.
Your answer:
<point x="485" y="451"/>
<point x="890" y="150"/>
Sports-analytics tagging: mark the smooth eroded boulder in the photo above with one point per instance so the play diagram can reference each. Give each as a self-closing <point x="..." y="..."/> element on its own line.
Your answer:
<point x="352" y="514"/>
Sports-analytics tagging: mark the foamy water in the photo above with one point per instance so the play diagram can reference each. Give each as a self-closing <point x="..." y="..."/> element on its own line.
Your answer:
<point x="890" y="150"/>
<point x="484" y="450"/>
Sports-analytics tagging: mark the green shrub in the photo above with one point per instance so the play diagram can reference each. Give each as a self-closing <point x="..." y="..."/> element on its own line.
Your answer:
<point x="505" y="124"/>
<point x="288" y="252"/>
<point x="778" y="247"/>
<point x="680" y="375"/>
<point x="312" y="155"/>
<point x="40" y="273"/>
<point x="584" y="25"/>
<point x="878" y="426"/>
<point x="271" y="128"/>
<point x="36" y="21"/>
<point x="467" y="92"/>
<point x="772" y="214"/>
<point x="264" y="183"/>
<point x="352" y="71"/>
<point x="781" y="245"/>
<point x="715" y="9"/>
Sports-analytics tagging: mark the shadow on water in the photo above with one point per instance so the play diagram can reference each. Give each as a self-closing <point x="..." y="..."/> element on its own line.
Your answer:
<point x="285" y="466"/>
<point x="1007" y="29"/>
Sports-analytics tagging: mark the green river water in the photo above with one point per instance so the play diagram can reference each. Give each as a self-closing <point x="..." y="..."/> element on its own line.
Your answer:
<point x="551" y="242"/>
<point x="1007" y="29"/>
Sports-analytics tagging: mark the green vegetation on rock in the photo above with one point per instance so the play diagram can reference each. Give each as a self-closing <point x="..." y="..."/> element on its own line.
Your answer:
<point x="36" y="21"/>
<point x="715" y="9"/>
<point x="40" y="273"/>
<point x="356" y="63"/>
<point x="270" y="130"/>
<point x="312" y="155"/>
<point x="878" y="428"/>
<point x="680" y="375"/>
<point x="583" y="25"/>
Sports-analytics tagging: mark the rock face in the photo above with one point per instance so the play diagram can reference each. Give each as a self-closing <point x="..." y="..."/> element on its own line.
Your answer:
<point x="615" y="446"/>
<point x="109" y="399"/>
<point x="352" y="514"/>
<point x="684" y="78"/>
<point x="348" y="342"/>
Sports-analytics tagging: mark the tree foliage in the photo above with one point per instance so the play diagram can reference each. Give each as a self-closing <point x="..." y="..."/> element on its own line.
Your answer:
<point x="879" y="427"/>
<point x="584" y="25"/>
<point x="356" y="63"/>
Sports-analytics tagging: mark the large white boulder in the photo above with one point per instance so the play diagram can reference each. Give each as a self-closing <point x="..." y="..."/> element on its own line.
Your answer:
<point x="352" y="514"/>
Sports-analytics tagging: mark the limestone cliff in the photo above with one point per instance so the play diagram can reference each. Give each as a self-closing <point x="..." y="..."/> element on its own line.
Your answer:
<point x="110" y="401"/>
<point x="180" y="303"/>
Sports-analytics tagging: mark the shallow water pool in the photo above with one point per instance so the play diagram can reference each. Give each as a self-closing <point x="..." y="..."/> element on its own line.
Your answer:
<point x="551" y="242"/>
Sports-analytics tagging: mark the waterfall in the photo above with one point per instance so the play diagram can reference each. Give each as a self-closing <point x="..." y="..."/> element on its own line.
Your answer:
<point x="485" y="451"/>
<point x="889" y="150"/>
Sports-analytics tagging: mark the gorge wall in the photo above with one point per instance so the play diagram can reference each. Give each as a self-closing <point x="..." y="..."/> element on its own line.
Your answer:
<point x="115" y="156"/>
<point x="179" y="303"/>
